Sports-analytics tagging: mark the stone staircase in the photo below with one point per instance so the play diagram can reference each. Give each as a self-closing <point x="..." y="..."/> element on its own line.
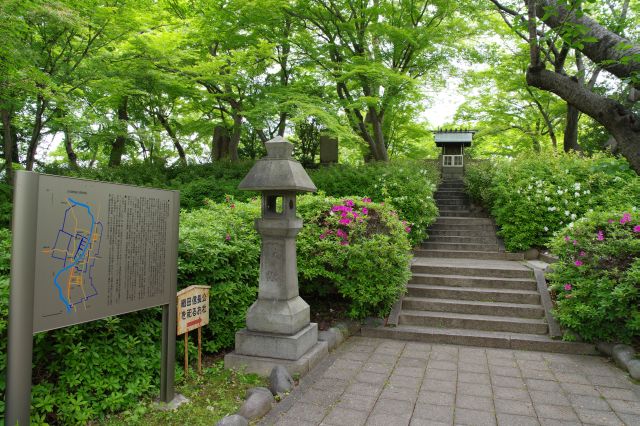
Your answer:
<point x="466" y="290"/>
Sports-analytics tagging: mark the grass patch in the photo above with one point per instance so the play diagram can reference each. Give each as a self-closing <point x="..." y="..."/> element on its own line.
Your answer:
<point x="214" y="394"/>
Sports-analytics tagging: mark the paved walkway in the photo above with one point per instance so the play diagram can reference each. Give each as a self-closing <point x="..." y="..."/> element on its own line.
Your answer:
<point x="369" y="381"/>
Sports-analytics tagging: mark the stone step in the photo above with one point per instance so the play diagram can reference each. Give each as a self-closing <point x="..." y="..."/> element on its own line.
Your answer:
<point x="436" y="245"/>
<point x="462" y="221"/>
<point x="445" y="238"/>
<point x="460" y="213"/>
<point x="459" y="254"/>
<point x="473" y="281"/>
<point x="483" y="227"/>
<point x="473" y="322"/>
<point x="486" y="339"/>
<point x="449" y="193"/>
<point x="457" y="202"/>
<point x="520" y="310"/>
<point x="452" y="185"/>
<point x="474" y="293"/>
<point x="453" y="231"/>
<point x="469" y="268"/>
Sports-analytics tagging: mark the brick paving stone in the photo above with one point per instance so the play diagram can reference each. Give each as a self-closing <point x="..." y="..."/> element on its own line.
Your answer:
<point x="514" y="420"/>
<point x="531" y="356"/>
<point x="474" y="389"/>
<point x="389" y="350"/>
<point x="537" y="374"/>
<point x="505" y="371"/>
<point x="464" y="416"/>
<point x="362" y="348"/>
<point x="424" y="422"/>
<point x="383" y="359"/>
<point x="557" y="412"/>
<point x="627" y="407"/>
<point x="412" y="362"/>
<point x="617" y="393"/>
<point x="292" y="421"/>
<point x="308" y="412"/>
<point x="373" y="378"/>
<point x="356" y="356"/>
<point x="511" y="393"/>
<point x="436" y="398"/>
<point x="499" y="353"/>
<point x="319" y="397"/>
<point x="392" y="406"/>
<point x="466" y="377"/>
<point x="388" y="419"/>
<point x="532" y="365"/>
<point x="442" y="365"/>
<point x="417" y="347"/>
<point x="473" y="367"/>
<point x="597" y="417"/>
<point x="510" y="406"/>
<point x="356" y="402"/>
<point x="347" y="363"/>
<point x="330" y="384"/>
<point x="339" y="373"/>
<point x="577" y="389"/>
<point x="409" y="371"/>
<point x="629" y="419"/>
<point x="549" y="397"/>
<point x="364" y="389"/>
<point x="438" y="413"/>
<point x="508" y="382"/>
<point x="443" y="356"/>
<point x="343" y="416"/>
<point x="543" y="385"/>
<point x="572" y="378"/>
<point x="405" y="381"/>
<point x="611" y="382"/>
<point x="439" y="385"/>
<point x="372" y="367"/>
<point x="556" y="422"/>
<point x="471" y="402"/>
<point x="433" y="374"/>
<point x="502" y="362"/>
<point x="400" y="394"/>
<point x="589" y="402"/>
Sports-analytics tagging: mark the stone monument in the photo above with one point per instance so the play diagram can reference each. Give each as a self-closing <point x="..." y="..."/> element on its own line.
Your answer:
<point x="328" y="150"/>
<point x="278" y="330"/>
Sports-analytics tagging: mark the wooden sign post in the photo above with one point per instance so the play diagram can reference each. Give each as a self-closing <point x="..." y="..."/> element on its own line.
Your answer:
<point x="193" y="312"/>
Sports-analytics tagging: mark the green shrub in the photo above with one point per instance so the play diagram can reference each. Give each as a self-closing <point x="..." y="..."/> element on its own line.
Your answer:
<point x="533" y="197"/>
<point x="219" y="247"/>
<point x="407" y="185"/>
<point x="363" y="258"/>
<point x="597" y="280"/>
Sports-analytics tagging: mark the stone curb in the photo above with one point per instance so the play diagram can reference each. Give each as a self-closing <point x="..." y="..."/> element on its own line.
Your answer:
<point x="345" y="330"/>
<point x="624" y="357"/>
<point x="334" y="337"/>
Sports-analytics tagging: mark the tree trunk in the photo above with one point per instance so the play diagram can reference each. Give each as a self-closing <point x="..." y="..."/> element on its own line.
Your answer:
<point x="118" y="145"/>
<point x="622" y="123"/>
<point x="571" y="130"/>
<point x="234" y="142"/>
<point x="8" y="144"/>
<point x="174" y="138"/>
<point x="220" y="148"/>
<point x="41" y="105"/>
<point x="381" y="148"/>
<point x="68" y="146"/>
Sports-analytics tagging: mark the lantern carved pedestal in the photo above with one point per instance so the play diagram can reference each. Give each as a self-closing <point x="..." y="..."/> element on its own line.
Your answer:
<point x="278" y="327"/>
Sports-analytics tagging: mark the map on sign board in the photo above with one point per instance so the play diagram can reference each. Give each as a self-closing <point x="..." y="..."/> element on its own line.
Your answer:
<point x="102" y="249"/>
<point x="193" y="308"/>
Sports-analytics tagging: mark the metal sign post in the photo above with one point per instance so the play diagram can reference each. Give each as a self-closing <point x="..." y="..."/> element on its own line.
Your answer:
<point x="85" y="250"/>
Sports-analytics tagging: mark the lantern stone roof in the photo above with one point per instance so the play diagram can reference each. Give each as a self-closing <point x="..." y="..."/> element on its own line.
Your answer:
<point x="453" y="137"/>
<point x="278" y="171"/>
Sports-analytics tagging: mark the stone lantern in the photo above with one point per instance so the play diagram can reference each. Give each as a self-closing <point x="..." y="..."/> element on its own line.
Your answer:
<point x="278" y="330"/>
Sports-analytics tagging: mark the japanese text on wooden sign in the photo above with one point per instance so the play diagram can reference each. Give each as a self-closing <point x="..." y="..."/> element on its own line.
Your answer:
<point x="193" y="308"/>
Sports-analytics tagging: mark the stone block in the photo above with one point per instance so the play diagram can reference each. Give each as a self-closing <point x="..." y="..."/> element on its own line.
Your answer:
<point x="257" y="405"/>
<point x="622" y="354"/>
<point x="278" y="316"/>
<point x="328" y="150"/>
<point x="279" y="346"/>
<point x="280" y="380"/>
<point x="633" y="365"/>
<point x="234" y="420"/>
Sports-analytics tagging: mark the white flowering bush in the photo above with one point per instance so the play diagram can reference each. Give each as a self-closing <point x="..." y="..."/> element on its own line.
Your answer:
<point x="534" y="197"/>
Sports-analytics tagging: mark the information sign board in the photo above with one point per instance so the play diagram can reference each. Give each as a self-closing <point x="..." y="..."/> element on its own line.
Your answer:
<point x="193" y="308"/>
<point x="102" y="249"/>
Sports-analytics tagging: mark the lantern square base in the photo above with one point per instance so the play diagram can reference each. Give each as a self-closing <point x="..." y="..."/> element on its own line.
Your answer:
<point x="280" y="346"/>
<point x="263" y="365"/>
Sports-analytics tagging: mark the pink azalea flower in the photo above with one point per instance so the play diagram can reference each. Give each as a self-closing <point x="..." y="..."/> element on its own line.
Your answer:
<point x="341" y="234"/>
<point x="344" y="221"/>
<point x="228" y="237"/>
<point x="366" y="200"/>
<point x="625" y="218"/>
<point x="578" y="263"/>
<point x="575" y="242"/>
<point x="365" y="211"/>
<point x="567" y="287"/>
<point x="566" y="238"/>
<point x="636" y="228"/>
<point x="408" y="229"/>
<point x="322" y="236"/>
<point x="610" y="220"/>
<point x="600" y="235"/>
<point x="348" y="203"/>
<point x="344" y="243"/>
<point x="583" y="254"/>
